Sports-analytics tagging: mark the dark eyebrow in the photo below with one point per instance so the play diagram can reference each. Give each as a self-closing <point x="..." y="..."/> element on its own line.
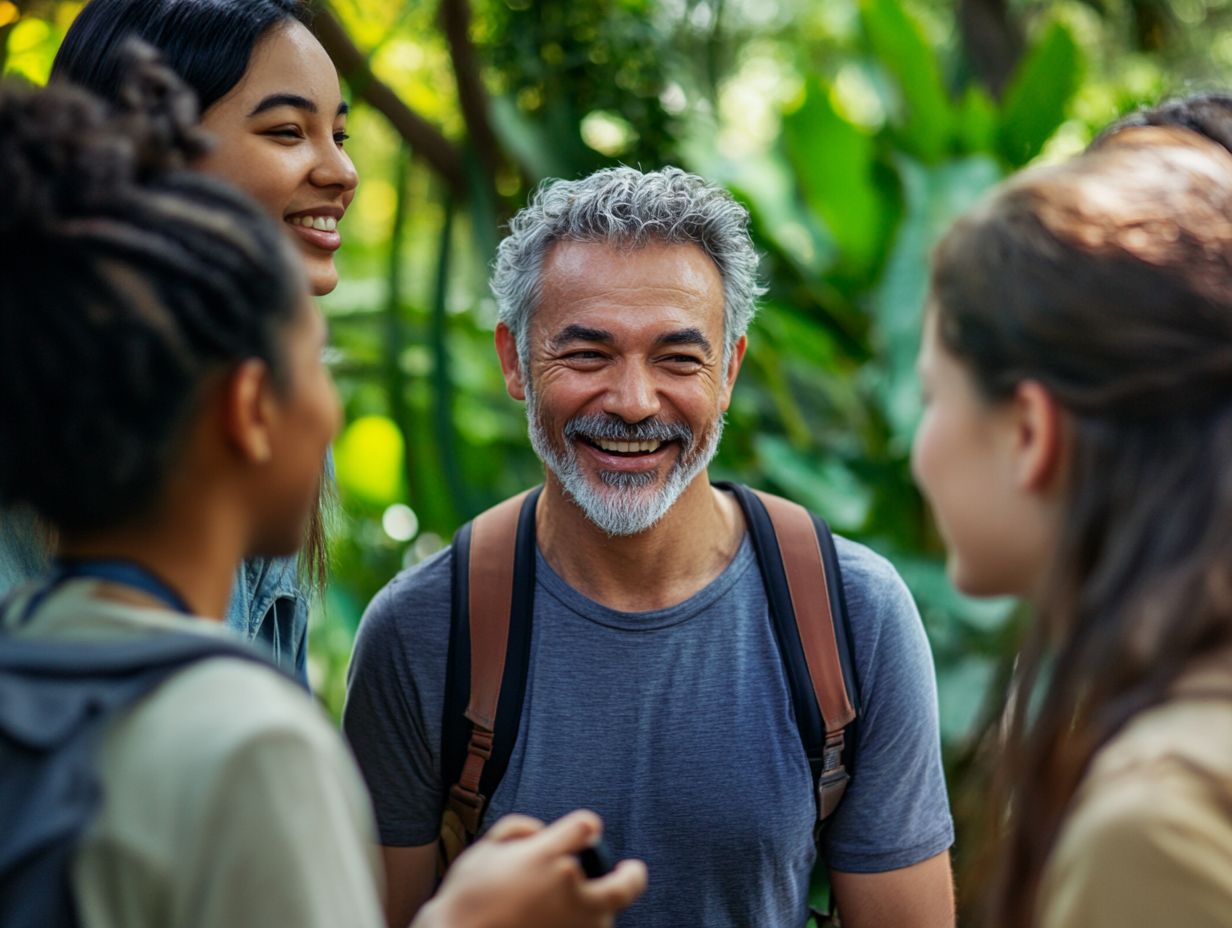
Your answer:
<point x="685" y="337"/>
<point x="275" y="100"/>
<point x="579" y="333"/>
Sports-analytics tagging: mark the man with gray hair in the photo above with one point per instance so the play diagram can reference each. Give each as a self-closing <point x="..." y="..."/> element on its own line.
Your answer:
<point x="655" y="691"/>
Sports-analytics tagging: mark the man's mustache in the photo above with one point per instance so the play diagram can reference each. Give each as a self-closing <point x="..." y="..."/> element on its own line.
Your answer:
<point x="614" y="428"/>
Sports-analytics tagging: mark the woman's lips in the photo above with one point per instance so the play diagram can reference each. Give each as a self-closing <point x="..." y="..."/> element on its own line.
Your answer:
<point x="328" y="239"/>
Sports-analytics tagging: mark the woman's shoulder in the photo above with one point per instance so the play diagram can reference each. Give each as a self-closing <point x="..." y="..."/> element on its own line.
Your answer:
<point x="221" y="705"/>
<point x="1150" y="830"/>
<point x="220" y="736"/>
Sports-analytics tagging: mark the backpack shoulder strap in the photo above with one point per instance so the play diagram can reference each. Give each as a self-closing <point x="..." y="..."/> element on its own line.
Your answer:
<point x="489" y="654"/>
<point x="800" y="569"/>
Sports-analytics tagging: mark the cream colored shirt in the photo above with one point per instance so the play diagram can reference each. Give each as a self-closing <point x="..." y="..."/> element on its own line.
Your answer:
<point x="228" y="798"/>
<point x="1149" y="840"/>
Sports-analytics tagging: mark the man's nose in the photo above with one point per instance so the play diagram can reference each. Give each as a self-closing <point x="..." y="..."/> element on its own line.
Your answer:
<point x="632" y="394"/>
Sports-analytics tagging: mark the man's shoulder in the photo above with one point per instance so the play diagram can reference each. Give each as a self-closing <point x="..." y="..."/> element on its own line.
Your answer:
<point x="882" y="619"/>
<point x="409" y="616"/>
<point x="427" y="583"/>
<point x="870" y="582"/>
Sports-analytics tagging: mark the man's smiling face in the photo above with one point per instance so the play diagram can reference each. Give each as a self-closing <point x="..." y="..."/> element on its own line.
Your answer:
<point x="627" y="384"/>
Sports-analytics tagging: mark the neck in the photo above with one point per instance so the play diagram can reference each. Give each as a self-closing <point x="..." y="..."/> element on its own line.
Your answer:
<point x="665" y="565"/>
<point x="197" y="563"/>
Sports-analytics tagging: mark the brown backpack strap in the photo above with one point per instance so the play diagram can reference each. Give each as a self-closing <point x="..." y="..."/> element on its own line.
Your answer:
<point x="810" y="600"/>
<point x="490" y="583"/>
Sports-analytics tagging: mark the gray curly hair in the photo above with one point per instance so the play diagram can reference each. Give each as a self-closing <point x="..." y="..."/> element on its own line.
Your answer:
<point x="627" y="207"/>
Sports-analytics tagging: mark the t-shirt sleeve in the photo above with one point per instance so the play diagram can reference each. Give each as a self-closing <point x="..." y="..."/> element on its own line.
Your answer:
<point x="395" y="698"/>
<point x="285" y="838"/>
<point x="1151" y="847"/>
<point x="895" y="812"/>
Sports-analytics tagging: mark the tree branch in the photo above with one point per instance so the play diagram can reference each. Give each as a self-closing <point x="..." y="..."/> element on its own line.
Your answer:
<point x="472" y="96"/>
<point x="423" y="137"/>
<point x="993" y="41"/>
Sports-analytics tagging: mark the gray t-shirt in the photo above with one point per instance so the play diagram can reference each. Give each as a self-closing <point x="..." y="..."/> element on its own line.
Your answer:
<point x="676" y="726"/>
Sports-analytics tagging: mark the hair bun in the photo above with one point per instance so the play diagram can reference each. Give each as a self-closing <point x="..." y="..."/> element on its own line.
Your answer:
<point x="159" y="111"/>
<point x="64" y="152"/>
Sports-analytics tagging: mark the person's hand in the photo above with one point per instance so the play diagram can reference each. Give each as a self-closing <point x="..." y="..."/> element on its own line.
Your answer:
<point x="525" y="875"/>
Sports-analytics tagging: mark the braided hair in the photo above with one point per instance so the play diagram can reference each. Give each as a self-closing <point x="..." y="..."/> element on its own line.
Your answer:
<point x="125" y="281"/>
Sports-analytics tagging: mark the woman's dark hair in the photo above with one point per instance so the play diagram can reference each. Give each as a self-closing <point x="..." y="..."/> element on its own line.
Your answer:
<point x="206" y="42"/>
<point x="1108" y="280"/>
<point x="126" y="281"/>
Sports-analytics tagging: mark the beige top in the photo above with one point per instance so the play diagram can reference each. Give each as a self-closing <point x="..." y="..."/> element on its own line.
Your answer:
<point x="228" y="798"/>
<point x="1149" y="841"/>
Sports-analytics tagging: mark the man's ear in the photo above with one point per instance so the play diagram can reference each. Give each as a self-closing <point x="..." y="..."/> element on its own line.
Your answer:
<point x="249" y="410"/>
<point x="511" y="364"/>
<point x="733" y="368"/>
<point x="1039" y="424"/>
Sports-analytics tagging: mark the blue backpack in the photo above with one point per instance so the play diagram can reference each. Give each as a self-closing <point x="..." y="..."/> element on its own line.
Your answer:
<point x="57" y="700"/>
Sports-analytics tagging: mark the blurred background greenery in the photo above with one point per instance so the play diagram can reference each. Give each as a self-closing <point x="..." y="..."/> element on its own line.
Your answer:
<point x="854" y="130"/>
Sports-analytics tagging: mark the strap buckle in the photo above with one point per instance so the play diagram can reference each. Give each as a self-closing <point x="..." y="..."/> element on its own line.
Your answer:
<point x="832" y="783"/>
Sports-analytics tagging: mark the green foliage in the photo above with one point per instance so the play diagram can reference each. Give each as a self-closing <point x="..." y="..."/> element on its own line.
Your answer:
<point x="1039" y="94"/>
<point x="834" y="163"/>
<point x="898" y="44"/>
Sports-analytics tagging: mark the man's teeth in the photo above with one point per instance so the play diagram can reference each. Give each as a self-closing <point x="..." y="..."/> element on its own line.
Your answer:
<point x="627" y="447"/>
<point x="320" y="223"/>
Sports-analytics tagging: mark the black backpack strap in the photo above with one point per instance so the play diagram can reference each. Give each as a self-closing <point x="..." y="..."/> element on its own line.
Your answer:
<point x="489" y="658"/>
<point x="799" y="567"/>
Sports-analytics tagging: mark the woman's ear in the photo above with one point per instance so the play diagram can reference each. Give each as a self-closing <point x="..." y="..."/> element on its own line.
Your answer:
<point x="511" y="364"/>
<point x="1039" y="424"/>
<point x="249" y="410"/>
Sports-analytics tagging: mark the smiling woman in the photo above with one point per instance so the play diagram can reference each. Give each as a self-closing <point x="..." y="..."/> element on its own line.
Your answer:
<point x="280" y="134"/>
<point x="268" y="93"/>
<point x="270" y="100"/>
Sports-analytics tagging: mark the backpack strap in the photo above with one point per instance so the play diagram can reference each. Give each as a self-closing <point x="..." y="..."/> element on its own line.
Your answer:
<point x="799" y="566"/>
<point x="489" y="657"/>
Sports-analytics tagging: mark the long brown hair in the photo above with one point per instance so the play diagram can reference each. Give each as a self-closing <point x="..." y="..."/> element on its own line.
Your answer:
<point x="1109" y="281"/>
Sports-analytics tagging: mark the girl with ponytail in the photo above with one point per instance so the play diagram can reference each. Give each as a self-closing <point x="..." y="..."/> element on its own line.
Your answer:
<point x="1077" y="370"/>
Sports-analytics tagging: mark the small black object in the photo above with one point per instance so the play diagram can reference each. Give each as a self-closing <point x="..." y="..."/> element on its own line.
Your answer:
<point x="597" y="860"/>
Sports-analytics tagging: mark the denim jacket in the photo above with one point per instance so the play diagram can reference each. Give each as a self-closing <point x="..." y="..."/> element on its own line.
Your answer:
<point x="268" y="604"/>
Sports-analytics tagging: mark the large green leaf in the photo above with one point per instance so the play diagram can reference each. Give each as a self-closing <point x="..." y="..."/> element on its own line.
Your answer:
<point x="977" y="122"/>
<point x="822" y="483"/>
<point x="934" y="196"/>
<point x="899" y="43"/>
<point x="1039" y="94"/>
<point x="834" y="162"/>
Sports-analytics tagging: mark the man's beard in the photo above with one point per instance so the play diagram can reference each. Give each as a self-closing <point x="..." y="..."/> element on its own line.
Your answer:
<point x="627" y="503"/>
